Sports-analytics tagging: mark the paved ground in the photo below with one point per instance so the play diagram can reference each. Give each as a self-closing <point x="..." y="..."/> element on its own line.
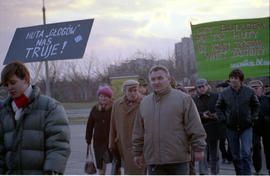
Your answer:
<point x="76" y="161"/>
<point x="75" y="113"/>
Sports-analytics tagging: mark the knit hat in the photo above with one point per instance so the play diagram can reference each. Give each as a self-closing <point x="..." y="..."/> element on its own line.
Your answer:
<point x="106" y="90"/>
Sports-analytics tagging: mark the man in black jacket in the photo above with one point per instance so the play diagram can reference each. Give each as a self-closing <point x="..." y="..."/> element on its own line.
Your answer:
<point x="225" y="151"/>
<point x="261" y="127"/>
<point x="238" y="107"/>
<point x="205" y="102"/>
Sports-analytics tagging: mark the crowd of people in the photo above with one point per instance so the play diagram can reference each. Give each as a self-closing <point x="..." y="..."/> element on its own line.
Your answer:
<point x="167" y="130"/>
<point x="163" y="132"/>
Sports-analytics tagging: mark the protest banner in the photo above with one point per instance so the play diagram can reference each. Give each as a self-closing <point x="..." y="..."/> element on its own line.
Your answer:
<point x="224" y="45"/>
<point x="55" y="41"/>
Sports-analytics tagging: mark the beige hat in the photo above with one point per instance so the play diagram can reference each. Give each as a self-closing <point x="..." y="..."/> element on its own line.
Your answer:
<point x="130" y="83"/>
<point x="255" y="83"/>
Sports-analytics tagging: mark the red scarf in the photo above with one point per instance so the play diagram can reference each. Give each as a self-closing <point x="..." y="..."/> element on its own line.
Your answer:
<point x="21" y="101"/>
<point x="103" y="105"/>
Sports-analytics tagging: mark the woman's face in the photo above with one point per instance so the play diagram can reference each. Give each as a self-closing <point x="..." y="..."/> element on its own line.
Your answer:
<point x="103" y="99"/>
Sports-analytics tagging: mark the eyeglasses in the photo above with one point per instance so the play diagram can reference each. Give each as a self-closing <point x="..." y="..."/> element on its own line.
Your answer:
<point x="200" y="86"/>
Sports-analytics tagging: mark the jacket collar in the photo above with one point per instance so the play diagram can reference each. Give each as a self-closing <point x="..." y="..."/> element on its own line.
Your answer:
<point x="123" y="100"/>
<point x="134" y="106"/>
<point x="239" y="90"/>
<point x="160" y="94"/>
<point x="201" y="95"/>
<point x="34" y="94"/>
<point x="108" y="106"/>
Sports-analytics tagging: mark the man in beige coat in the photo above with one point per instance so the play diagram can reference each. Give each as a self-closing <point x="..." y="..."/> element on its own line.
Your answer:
<point x="167" y="126"/>
<point x="122" y="121"/>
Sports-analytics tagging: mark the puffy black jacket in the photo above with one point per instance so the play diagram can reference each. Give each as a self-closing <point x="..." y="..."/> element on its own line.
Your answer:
<point x="265" y="109"/>
<point x="238" y="109"/>
<point x="38" y="142"/>
<point x="262" y="125"/>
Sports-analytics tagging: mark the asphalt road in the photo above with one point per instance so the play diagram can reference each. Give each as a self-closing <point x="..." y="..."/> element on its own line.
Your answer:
<point x="75" y="165"/>
<point x="78" y="113"/>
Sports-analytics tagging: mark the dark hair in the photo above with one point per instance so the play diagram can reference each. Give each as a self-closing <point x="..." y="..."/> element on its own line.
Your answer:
<point x="14" y="68"/>
<point x="237" y="73"/>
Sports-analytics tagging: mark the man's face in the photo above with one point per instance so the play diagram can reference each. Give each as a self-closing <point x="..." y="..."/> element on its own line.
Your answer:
<point x="159" y="80"/>
<point x="16" y="86"/>
<point x="220" y="89"/>
<point x="202" y="89"/>
<point x="235" y="82"/>
<point x="192" y="92"/>
<point x="258" y="90"/>
<point x="131" y="93"/>
<point x="143" y="90"/>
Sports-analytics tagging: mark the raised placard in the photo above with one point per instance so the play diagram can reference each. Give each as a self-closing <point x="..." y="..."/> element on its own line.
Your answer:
<point x="55" y="41"/>
<point x="224" y="45"/>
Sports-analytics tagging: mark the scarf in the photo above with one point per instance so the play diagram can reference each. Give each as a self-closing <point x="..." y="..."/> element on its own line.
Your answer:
<point x="103" y="106"/>
<point x="128" y="102"/>
<point x="19" y="103"/>
<point x="161" y="93"/>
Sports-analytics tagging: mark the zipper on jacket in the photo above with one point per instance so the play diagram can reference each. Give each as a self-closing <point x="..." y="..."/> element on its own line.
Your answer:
<point x="236" y="98"/>
<point x="159" y="158"/>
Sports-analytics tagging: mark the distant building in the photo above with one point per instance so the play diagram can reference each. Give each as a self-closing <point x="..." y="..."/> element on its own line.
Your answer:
<point x="139" y="66"/>
<point x="185" y="61"/>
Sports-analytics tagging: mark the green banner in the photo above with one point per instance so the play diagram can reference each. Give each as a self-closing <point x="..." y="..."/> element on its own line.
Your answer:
<point x="224" y="45"/>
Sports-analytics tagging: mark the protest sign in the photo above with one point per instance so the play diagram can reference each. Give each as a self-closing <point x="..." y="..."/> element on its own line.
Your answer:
<point x="224" y="45"/>
<point x="55" y="41"/>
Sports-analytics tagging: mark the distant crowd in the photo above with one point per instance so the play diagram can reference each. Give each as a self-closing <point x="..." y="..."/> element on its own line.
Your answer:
<point x="162" y="132"/>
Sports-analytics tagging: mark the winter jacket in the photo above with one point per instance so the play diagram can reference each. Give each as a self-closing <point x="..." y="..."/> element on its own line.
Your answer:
<point x="99" y="124"/>
<point x="207" y="102"/>
<point x="38" y="142"/>
<point x="166" y="127"/>
<point x="264" y="114"/>
<point x="238" y="109"/>
<point x="262" y="125"/>
<point x="122" y="122"/>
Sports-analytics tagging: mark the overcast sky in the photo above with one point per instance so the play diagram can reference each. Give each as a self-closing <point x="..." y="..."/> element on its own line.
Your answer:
<point x="122" y="27"/>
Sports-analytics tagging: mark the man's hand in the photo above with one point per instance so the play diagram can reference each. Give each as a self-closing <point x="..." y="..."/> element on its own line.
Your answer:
<point x="214" y="116"/>
<point x="206" y="114"/>
<point x="138" y="161"/>
<point x="198" y="156"/>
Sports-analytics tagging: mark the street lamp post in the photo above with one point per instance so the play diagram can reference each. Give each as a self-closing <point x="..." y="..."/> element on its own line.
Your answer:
<point x="47" y="81"/>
